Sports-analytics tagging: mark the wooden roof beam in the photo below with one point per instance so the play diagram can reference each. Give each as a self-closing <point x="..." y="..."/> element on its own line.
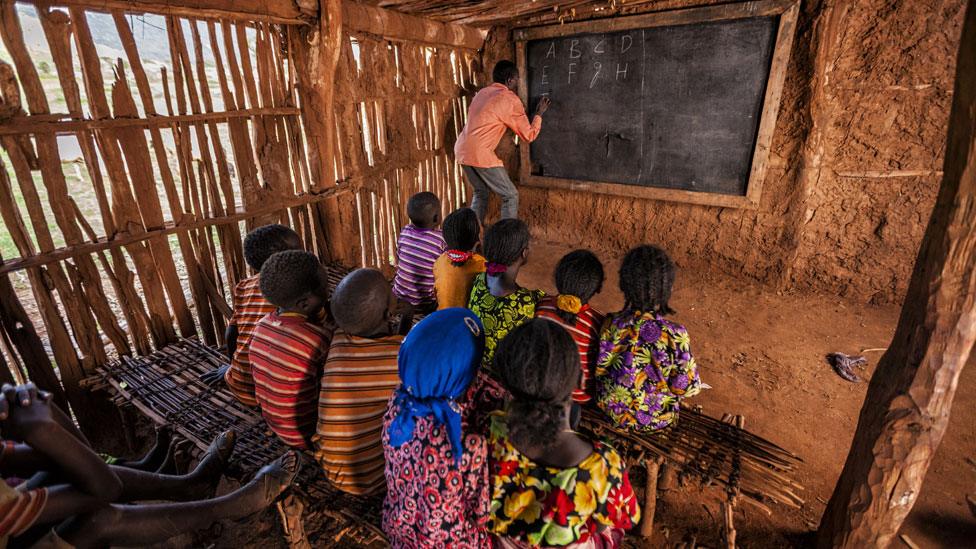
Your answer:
<point x="396" y="25"/>
<point x="288" y="12"/>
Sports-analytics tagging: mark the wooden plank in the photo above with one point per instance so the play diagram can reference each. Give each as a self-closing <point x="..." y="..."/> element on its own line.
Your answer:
<point x="909" y="399"/>
<point x="723" y="12"/>
<point x="360" y="17"/>
<point x="64" y="124"/>
<point x="786" y="9"/>
<point x="280" y="11"/>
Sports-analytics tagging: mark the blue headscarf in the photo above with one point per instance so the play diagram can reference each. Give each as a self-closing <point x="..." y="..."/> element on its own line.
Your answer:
<point x="438" y="361"/>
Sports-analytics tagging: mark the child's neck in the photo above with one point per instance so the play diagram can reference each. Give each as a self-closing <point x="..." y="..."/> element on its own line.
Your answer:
<point x="290" y="312"/>
<point x="377" y="332"/>
<point x="501" y="286"/>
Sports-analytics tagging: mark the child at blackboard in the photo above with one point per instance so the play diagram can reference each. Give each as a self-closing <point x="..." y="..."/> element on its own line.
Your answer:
<point x="419" y="246"/>
<point x="250" y="306"/>
<point x="579" y="276"/>
<point x="645" y="367"/>
<point x="496" y="297"/>
<point x="455" y="269"/>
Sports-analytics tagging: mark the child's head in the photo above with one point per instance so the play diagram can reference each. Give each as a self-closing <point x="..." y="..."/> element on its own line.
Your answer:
<point x="506" y="244"/>
<point x="424" y="210"/>
<point x="295" y="282"/>
<point x="461" y="231"/>
<point x="579" y="276"/>
<point x="646" y="277"/>
<point x="538" y="362"/>
<point x="362" y="302"/>
<point x="264" y="242"/>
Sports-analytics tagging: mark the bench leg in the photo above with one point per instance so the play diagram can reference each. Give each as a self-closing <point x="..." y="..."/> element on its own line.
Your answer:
<point x="650" y="498"/>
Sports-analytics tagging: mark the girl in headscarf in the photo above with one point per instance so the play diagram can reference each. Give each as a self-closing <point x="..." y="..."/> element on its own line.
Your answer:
<point x="436" y="460"/>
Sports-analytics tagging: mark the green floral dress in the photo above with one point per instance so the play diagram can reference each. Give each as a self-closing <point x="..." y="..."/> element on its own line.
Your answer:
<point x="550" y="506"/>
<point x="500" y="315"/>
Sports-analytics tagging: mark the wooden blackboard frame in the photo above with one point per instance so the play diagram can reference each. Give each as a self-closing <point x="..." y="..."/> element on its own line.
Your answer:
<point x="787" y="11"/>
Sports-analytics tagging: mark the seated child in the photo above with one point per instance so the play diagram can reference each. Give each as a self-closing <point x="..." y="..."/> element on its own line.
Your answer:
<point x="550" y="485"/>
<point x="645" y="367"/>
<point x="455" y="269"/>
<point x="419" y="246"/>
<point x="436" y="457"/>
<point x="579" y="276"/>
<point x="83" y="510"/>
<point x="250" y="306"/>
<point x="359" y="377"/>
<point x="496" y="297"/>
<point x="289" y="346"/>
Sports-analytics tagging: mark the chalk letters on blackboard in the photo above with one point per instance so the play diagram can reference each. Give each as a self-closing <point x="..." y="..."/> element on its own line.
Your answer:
<point x="574" y="51"/>
<point x="572" y="71"/>
<point x="617" y="77"/>
<point x="545" y="76"/>
<point x="626" y="42"/>
<point x="552" y="50"/>
<point x="599" y="46"/>
<point x="596" y="75"/>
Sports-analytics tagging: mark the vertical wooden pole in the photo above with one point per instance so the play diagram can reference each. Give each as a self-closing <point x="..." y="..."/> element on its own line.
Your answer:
<point x="652" y="465"/>
<point x="907" y="406"/>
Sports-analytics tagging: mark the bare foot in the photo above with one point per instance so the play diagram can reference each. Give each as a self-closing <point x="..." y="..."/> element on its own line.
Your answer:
<point x="269" y="482"/>
<point x="207" y="474"/>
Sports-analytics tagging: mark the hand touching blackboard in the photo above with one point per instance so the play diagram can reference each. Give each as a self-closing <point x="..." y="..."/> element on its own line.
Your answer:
<point x="543" y="105"/>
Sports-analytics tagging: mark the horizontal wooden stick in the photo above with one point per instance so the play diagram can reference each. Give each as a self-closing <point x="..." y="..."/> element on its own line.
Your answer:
<point x="286" y="13"/>
<point x="124" y="239"/>
<point x="63" y="124"/>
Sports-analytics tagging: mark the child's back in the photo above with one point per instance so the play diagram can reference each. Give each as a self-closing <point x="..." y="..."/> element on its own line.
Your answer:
<point x="497" y="299"/>
<point x="645" y="367"/>
<point x="288" y="346"/>
<point x="359" y="377"/>
<point x="456" y="269"/>
<point x="250" y="306"/>
<point x="418" y="247"/>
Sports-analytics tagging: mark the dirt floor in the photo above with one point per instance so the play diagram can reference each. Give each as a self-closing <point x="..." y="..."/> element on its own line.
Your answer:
<point x="762" y="351"/>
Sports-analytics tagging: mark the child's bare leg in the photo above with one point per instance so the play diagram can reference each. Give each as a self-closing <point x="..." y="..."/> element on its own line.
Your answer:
<point x="200" y="483"/>
<point x="134" y="525"/>
<point x="155" y="456"/>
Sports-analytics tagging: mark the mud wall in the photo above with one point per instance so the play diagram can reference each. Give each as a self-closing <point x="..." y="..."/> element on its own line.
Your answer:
<point x="854" y="166"/>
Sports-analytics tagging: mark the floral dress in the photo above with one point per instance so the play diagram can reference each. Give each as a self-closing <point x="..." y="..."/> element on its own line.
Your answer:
<point x="644" y="369"/>
<point x="500" y="315"/>
<point x="430" y="500"/>
<point x="539" y="505"/>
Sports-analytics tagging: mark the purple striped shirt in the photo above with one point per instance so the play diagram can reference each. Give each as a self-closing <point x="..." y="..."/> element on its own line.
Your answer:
<point x="417" y="250"/>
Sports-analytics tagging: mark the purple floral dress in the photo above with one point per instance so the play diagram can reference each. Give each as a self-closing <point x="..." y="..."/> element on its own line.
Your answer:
<point x="430" y="500"/>
<point x="644" y="369"/>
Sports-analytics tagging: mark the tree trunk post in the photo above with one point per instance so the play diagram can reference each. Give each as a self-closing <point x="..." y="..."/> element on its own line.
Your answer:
<point x="906" y="409"/>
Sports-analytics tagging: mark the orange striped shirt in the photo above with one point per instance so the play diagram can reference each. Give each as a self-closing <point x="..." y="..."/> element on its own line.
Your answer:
<point x="19" y="510"/>
<point x="586" y="334"/>
<point x="287" y="353"/>
<point x="250" y="307"/>
<point x="359" y="378"/>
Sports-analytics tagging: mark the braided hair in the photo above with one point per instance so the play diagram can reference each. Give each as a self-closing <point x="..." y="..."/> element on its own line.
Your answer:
<point x="461" y="230"/>
<point x="579" y="273"/>
<point x="505" y="241"/>
<point x="265" y="241"/>
<point x="646" y="278"/>
<point x="538" y="362"/>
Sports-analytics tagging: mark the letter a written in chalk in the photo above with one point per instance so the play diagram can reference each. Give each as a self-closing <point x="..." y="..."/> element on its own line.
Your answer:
<point x="552" y="50"/>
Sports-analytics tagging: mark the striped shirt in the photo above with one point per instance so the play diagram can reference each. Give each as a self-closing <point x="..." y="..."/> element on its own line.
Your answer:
<point x="360" y="376"/>
<point x="287" y="354"/>
<point x="417" y="250"/>
<point x="250" y="307"/>
<point x="586" y="334"/>
<point x="19" y="509"/>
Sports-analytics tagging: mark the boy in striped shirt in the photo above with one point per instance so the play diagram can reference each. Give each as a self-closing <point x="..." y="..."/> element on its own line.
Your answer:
<point x="419" y="246"/>
<point x="359" y="378"/>
<point x="250" y="306"/>
<point x="289" y="346"/>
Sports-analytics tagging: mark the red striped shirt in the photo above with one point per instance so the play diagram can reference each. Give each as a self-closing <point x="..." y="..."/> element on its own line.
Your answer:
<point x="586" y="334"/>
<point x="287" y="353"/>
<point x="250" y="307"/>
<point x="19" y="510"/>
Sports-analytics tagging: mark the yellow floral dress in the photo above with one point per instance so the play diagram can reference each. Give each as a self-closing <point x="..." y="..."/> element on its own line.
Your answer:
<point x="551" y="506"/>
<point x="500" y="315"/>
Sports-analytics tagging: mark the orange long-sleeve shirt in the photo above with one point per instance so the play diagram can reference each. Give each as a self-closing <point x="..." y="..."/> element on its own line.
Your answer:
<point x="493" y="110"/>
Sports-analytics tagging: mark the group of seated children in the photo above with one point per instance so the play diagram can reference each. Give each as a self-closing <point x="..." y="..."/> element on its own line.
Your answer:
<point x="467" y="419"/>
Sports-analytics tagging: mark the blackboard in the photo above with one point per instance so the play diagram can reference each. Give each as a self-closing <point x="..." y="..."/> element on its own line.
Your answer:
<point x="673" y="106"/>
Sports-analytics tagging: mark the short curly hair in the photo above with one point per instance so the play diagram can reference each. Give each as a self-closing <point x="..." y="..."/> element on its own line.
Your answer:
<point x="290" y="275"/>
<point x="263" y="242"/>
<point x="423" y="209"/>
<point x="361" y="301"/>
<point x="646" y="279"/>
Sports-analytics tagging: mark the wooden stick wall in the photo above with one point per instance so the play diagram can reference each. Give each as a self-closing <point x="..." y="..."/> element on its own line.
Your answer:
<point x="399" y="108"/>
<point x="158" y="254"/>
